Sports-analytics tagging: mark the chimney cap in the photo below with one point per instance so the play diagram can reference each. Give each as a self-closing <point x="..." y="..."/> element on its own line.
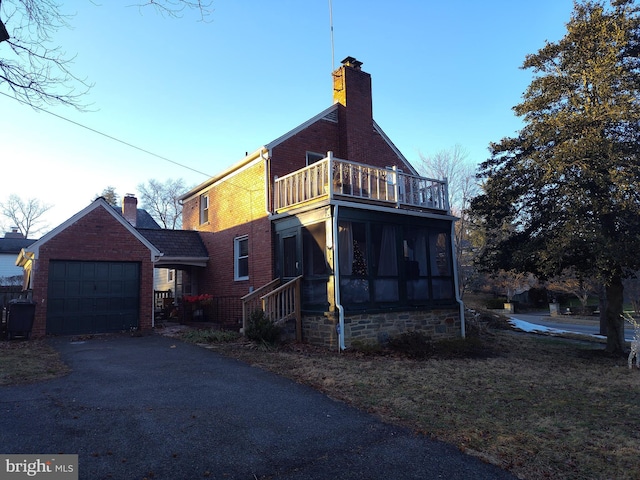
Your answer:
<point x="351" y="62"/>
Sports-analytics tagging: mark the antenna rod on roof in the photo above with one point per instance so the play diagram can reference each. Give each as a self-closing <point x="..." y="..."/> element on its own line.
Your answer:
<point x="333" y="63"/>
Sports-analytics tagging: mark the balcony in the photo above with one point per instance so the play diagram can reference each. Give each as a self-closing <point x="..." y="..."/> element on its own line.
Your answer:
<point x="332" y="178"/>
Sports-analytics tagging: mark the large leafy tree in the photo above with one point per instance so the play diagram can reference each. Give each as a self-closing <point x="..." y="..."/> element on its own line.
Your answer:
<point x="565" y="192"/>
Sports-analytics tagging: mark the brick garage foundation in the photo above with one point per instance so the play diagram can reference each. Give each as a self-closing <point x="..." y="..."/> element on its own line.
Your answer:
<point x="379" y="327"/>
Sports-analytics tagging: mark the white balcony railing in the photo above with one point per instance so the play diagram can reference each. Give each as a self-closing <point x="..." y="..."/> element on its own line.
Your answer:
<point x="334" y="178"/>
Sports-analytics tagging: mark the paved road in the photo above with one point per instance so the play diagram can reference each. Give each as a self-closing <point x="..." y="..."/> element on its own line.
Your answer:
<point x="590" y="326"/>
<point x="152" y="407"/>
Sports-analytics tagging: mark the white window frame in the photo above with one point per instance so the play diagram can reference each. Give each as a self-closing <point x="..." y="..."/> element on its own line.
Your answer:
<point x="313" y="157"/>
<point x="204" y="208"/>
<point x="170" y="275"/>
<point x="237" y="257"/>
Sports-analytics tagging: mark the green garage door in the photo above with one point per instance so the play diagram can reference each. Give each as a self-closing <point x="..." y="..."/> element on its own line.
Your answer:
<point x="92" y="297"/>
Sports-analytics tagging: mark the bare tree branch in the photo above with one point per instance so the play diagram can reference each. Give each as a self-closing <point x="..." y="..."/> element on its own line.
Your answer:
<point x="36" y="70"/>
<point x="174" y="8"/>
<point x="25" y="214"/>
<point x="161" y="200"/>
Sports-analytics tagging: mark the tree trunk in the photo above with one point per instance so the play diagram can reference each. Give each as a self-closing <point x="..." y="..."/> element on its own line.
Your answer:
<point x="602" y="306"/>
<point x="615" y="322"/>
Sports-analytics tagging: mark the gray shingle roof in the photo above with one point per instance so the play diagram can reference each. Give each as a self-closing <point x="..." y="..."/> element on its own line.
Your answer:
<point x="176" y="243"/>
<point x="14" y="245"/>
<point x="143" y="220"/>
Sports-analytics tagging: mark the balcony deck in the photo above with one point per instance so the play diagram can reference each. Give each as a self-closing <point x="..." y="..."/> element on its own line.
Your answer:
<point x="333" y="178"/>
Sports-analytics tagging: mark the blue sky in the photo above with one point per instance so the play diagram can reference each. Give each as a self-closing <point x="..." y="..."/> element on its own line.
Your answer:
<point x="203" y="94"/>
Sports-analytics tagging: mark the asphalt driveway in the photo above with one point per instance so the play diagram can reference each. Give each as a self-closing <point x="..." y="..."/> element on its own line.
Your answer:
<point x="153" y="407"/>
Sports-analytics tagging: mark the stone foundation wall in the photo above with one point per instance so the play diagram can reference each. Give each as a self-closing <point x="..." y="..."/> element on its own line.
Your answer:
<point x="379" y="327"/>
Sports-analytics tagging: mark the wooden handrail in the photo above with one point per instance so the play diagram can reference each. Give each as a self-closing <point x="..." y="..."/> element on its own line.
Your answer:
<point x="333" y="177"/>
<point x="283" y="304"/>
<point x="252" y="301"/>
<point x="279" y="304"/>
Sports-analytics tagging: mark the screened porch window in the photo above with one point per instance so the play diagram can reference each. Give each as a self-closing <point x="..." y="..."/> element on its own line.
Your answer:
<point x="385" y="265"/>
<point x="315" y="268"/>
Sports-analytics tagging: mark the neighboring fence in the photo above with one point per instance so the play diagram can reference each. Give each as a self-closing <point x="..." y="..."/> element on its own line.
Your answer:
<point x="224" y="312"/>
<point x="10" y="292"/>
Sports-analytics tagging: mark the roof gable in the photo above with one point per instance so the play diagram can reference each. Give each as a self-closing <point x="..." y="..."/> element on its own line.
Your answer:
<point x="330" y="114"/>
<point x="98" y="203"/>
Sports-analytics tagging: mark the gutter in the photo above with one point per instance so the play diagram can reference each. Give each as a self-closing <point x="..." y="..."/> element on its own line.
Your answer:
<point x="336" y="282"/>
<point x="267" y="181"/>
<point x="463" y="329"/>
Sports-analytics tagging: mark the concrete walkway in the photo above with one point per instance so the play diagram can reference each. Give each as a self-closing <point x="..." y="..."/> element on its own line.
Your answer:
<point x="153" y="407"/>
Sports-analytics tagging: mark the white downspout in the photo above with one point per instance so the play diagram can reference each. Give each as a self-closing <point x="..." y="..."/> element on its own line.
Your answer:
<point x="455" y="280"/>
<point x="336" y="281"/>
<point x="267" y="181"/>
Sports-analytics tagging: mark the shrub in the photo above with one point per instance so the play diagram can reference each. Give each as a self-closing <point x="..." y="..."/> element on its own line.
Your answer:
<point x="496" y="303"/>
<point x="412" y="344"/>
<point x="210" y="336"/>
<point x="367" y="348"/>
<point x="260" y="328"/>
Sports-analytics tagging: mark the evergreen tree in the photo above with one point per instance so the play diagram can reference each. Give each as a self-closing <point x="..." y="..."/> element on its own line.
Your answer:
<point x="566" y="191"/>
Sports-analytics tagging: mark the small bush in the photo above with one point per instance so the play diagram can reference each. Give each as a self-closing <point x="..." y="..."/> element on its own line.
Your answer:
<point x="412" y="344"/>
<point x="496" y="303"/>
<point x="470" y="347"/>
<point x="368" y="348"/>
<point x="210" y="336"/>
<point x="261" y="329"/>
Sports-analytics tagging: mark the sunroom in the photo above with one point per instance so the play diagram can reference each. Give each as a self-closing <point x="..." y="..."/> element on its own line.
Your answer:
<point x="372" y="250"/>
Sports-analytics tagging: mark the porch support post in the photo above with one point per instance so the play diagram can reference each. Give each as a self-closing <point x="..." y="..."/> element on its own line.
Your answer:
<point x="298" y="310"/>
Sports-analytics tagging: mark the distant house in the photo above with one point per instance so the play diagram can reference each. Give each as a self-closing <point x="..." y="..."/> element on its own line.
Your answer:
<point x="333" y="208"/>
<point x="10" y="247"/>
<point x="11" y="278"/>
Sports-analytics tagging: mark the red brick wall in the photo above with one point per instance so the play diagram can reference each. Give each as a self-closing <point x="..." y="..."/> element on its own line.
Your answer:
<point x="237" y="204"/>
<point x="236" y="208"/>
<point x="290" y="155"/>
<point x="95" y="237"/>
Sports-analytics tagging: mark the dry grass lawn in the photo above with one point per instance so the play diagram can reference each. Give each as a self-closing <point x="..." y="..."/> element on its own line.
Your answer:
<point x="26" y="361"/>
<point x="538" y="406"/>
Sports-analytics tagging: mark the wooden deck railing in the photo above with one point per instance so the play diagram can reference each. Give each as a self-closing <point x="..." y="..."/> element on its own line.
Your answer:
<point x="335" y="178"/>
<point x="253" y="301"/>
<point x="279" y="303"/>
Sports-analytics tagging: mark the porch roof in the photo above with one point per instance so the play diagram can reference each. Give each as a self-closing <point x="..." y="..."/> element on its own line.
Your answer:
<point x="178" y="247"/>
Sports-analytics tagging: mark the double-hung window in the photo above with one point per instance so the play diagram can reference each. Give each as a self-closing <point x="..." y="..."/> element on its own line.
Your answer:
<point x="204" y="208"/>
<point x="241" y="257"/>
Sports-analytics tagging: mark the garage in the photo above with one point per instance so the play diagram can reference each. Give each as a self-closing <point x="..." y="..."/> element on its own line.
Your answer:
<point x="87" y="297"/>
<point x="91" y="274"/>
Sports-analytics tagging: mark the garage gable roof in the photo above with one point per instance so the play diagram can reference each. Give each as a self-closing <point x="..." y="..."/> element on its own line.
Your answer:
<point x="100" y="202"/>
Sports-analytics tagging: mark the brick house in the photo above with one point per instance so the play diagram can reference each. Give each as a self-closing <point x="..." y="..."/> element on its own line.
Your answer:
<point x="331" y="225"/>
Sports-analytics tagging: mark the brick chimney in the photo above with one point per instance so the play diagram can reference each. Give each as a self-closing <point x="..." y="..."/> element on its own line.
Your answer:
<point x="352" y="90"/>
<point x="130" y="208"/>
